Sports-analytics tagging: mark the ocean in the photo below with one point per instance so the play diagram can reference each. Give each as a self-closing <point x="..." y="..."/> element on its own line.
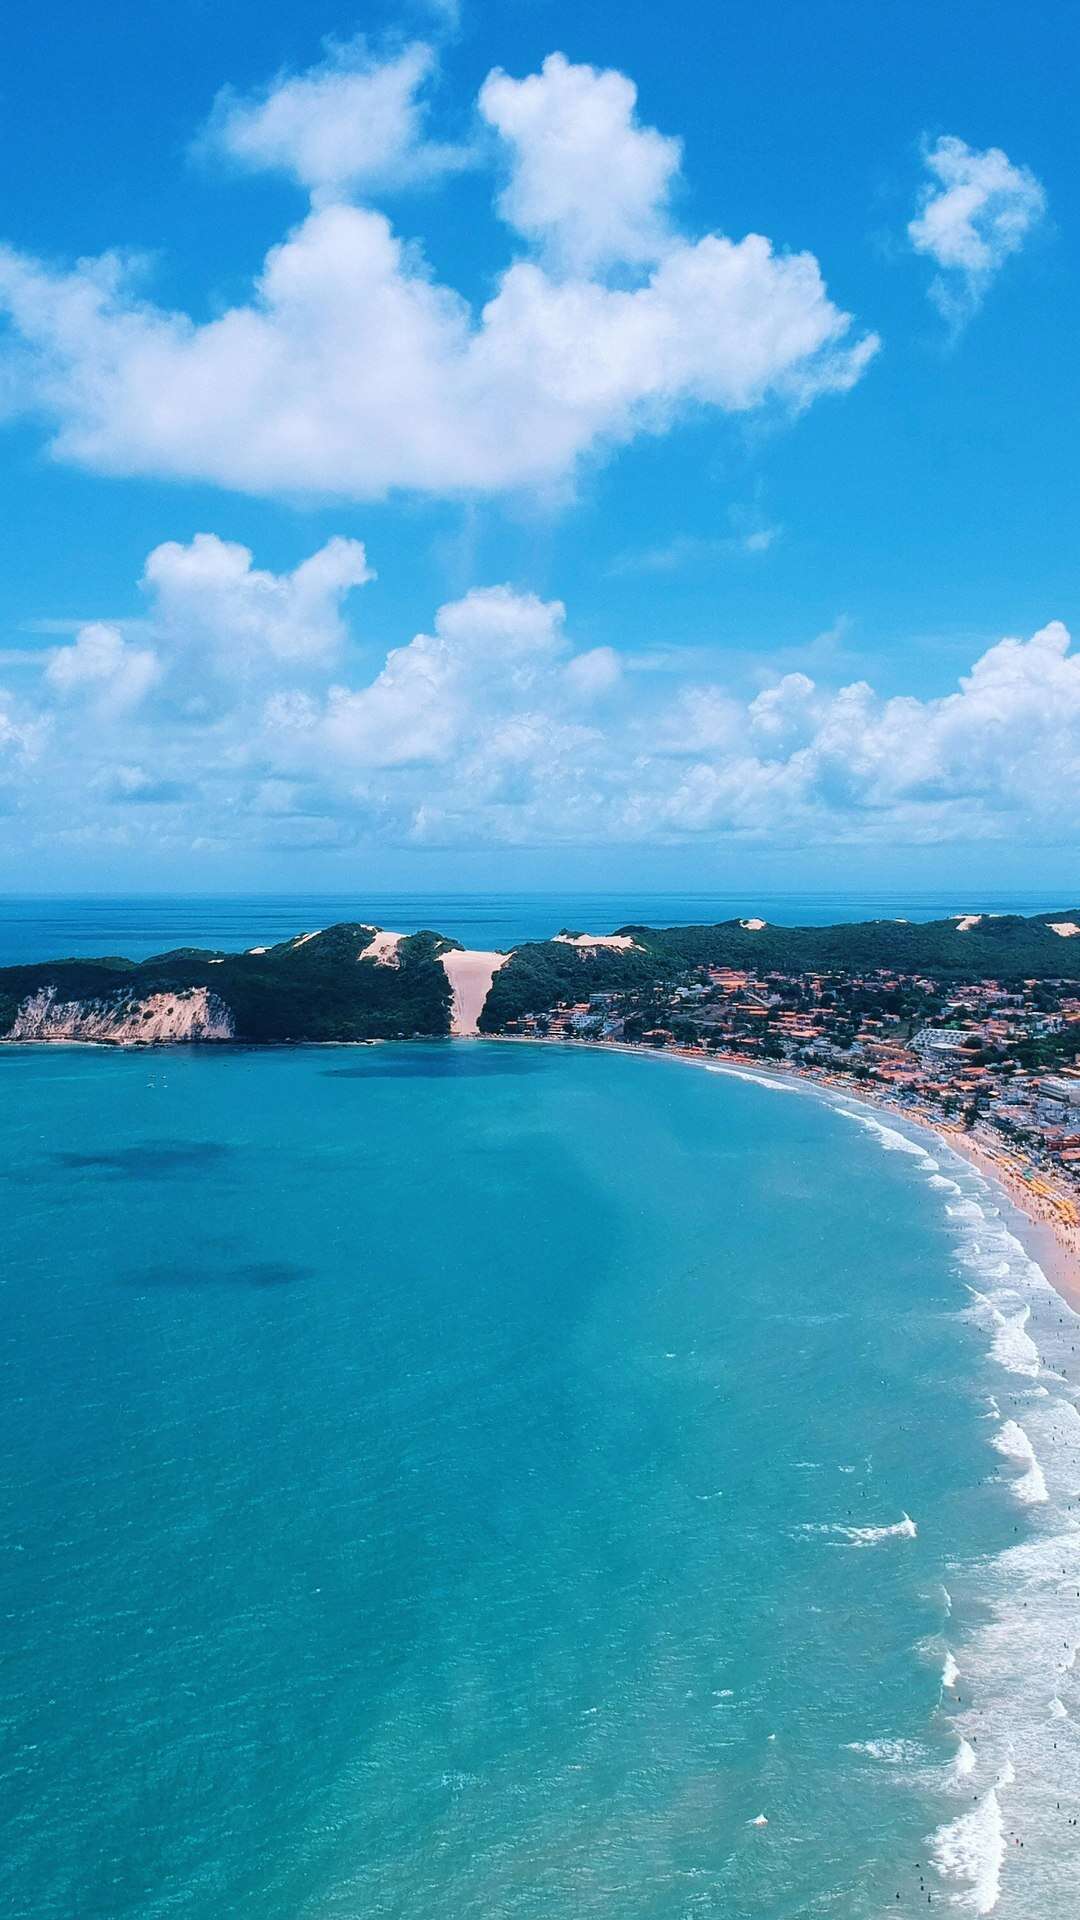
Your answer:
<point x="521" y="1483"/>
<point x="39" y="927"/>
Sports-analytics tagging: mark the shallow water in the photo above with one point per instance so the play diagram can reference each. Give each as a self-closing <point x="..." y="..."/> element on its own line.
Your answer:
<point x="487" y="1480"/>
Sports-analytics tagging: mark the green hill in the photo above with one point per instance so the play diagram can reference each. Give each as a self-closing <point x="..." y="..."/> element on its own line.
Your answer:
<point x="326" y="986"/>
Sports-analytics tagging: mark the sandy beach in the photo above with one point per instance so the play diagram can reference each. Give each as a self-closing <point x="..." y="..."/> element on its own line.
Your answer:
<point x="1044" y="1227"/>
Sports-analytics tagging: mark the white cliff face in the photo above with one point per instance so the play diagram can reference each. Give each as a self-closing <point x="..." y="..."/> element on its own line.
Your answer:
<point x="159" y="1017"/>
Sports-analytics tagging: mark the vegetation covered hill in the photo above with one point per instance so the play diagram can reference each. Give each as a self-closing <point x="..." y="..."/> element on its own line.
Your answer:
<point x="328" y="986"/>
<point x="315" y="988"/>
<point x="997" y="946"/>
<point x="1005" y="947"/>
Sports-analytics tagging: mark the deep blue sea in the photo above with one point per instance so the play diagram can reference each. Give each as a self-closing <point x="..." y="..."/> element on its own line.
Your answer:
<point x="35" y="927"/>
<point x="518" y="1483"/>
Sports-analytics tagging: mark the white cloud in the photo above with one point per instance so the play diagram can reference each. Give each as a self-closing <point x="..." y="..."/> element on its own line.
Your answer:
<point x="102" y="666"/>
<point x="210" y="595"/>
<point x="351" y="124"/>
<point x="22" y="736"/>
<point x="587" y="182"/>
<point x="493" y="647"/>
<point x="485" y="745"/>
<point x="686" y="549"/>
<point x="977" y="209"/>
<point x="135" y="786"/>
<point x="591" y="676"/>
<point x="496" y="727"/>
<point x="352" y="372"/>
<point x="218" y="636"/>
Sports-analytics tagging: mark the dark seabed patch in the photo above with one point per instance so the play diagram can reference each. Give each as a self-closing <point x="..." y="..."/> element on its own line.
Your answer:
<point x="261" y="1274"/>
<point x="147" y="1160"/>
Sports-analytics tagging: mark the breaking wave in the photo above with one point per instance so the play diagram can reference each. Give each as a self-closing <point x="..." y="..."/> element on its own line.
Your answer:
<point x="902" y="1529"/>
<point x="1011" y="1441"/>
<point x="970" y="1851"/>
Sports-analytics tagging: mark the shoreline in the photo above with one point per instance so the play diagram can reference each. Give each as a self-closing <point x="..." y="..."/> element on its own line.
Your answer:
<point x="1048" y="1239"/>
<point x="1035" y="1208"/>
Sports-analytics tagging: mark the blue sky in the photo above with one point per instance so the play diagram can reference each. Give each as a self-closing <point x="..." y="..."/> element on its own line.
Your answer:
<point x="684" y="578"/>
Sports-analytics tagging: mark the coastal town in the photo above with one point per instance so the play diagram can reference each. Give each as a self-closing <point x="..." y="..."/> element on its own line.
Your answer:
<point x="993" y="1063"/>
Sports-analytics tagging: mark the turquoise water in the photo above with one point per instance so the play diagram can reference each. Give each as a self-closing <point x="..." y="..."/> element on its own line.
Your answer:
<point x="481" y="1481"/>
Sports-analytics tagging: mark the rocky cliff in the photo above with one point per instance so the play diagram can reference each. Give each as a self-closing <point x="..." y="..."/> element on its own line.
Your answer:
<point x="191" y="1014"/>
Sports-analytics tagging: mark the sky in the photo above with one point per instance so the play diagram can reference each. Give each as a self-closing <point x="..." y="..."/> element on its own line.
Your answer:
<point x="524" y="445"/>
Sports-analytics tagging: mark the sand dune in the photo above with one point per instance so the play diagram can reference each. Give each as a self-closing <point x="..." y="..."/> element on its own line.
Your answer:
<point x="470" y="976"/>
<point x="383" y="949"/>
<point x="595" y="939"/>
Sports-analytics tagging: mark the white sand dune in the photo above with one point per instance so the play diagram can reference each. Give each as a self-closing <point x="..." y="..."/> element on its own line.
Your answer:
<point x="383" y="949"/>
<point x="589" y="940"/>
<point x="470" y="976"/>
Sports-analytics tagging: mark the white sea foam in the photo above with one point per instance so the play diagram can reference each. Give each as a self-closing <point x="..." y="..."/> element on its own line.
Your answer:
<point x="1020" y="1698"/>
<point x="965" y="1210"/>
<point x="889" y="1137"/>
<point x="1011" y="1441"/>
<point x="894" y="1753"/>
<point x="1013" y="1348"/>
<point x="903" y="1529"/>
<point x="970" y="1851"/>
<point x="1011" y="1691"/>
<point x="756" y="1079"/>
<point x="1019" y="1690"/>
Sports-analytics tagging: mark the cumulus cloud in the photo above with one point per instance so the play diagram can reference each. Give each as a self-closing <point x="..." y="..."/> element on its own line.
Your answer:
<point x="22" y="735"/>
<point x="493" y="646"/>
<point x="104" y="667"/>
<point x="476" y="733"/>
<point x="209" y="594"/>
<point x="218" y="634"/>
<point x="975" y="211"/>
<point x="352" y="371"/>
<point x="587" y="182"/>
<point x="352" y="124"/>
<point x="498" y="727"/>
